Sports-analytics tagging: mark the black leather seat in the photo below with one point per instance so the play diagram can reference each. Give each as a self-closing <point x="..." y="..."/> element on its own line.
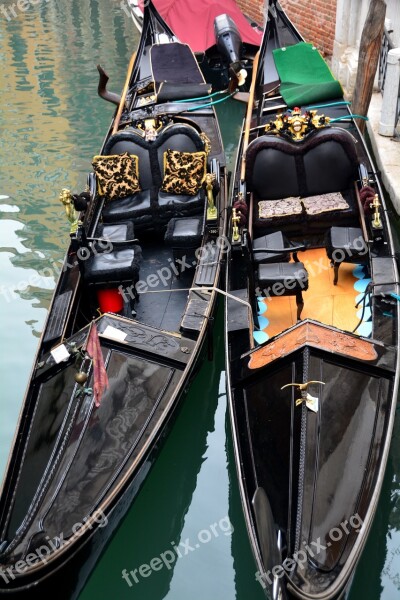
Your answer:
<point x="184" y="234"/>
<point x="277" y="168"/>
<point x="150" y="208"/>
<point x="284" y="279"/>
<point x="116" y="231"/>
<point x="111" y="259"/>
<point x="274" y="247"/>
<point x="121" y="266"/>
<point x="345" y="244"/>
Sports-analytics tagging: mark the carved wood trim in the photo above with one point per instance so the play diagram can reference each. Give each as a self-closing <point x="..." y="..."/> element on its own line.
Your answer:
<point x="317" y="336"/>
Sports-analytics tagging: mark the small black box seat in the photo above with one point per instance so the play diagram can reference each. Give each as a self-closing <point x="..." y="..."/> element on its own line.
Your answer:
<point x="274" y="247"/>
<point x="116" y="231"/>
<point x="113" y="268"/>
<point x="184" y="234"/>
<point x="284" y="279"/>
<point x="109" y="265"/>
<point x="345" y="244"/>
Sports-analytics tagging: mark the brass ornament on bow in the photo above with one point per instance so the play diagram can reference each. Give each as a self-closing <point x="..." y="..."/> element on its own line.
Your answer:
<point x="296" y="125"/>
<point x="66" y="199"/>
<point x="312" y="402"/>
<point x="150" y="128"/>
<point x="212" y="212"/>
<point x="376" y="222"/>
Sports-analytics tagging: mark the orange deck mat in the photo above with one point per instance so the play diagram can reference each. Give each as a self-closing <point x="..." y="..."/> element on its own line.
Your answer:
<point x="323" y="301"/>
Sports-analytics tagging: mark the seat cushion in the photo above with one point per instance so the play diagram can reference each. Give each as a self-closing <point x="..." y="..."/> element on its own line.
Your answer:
<point x="174" y="205"/>
<point x="292" y="278"/>
<point x="349" y="240"/>
<point x="115" y="232"/>
<point x="184" y="232"/>
<point x="184" y="172"/>
<point x="117" y="175"/>
<point x="130" y="207"/>
<point x="117" y="267"/>
<point x="274" y="240"/>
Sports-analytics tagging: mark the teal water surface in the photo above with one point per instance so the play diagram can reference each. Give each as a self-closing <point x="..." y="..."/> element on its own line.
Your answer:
<point x="52" y="123"/>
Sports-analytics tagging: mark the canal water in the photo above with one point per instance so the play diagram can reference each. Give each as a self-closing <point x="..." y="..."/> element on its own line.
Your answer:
<point x="51" y="124"/>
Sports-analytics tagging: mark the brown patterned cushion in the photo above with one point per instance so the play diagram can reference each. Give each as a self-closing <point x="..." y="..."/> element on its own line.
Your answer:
<point x="268" y="209"/>
<point x="315" y="205"/>
<point x="184" y="172"/>
<point x="117" y="175"/>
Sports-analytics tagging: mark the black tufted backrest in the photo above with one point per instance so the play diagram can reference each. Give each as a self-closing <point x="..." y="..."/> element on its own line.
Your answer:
<point x="278" y="168"/>
<point x="181" y="137"/>
<point x="178" y="136"/>
<point x="132" y="142"/>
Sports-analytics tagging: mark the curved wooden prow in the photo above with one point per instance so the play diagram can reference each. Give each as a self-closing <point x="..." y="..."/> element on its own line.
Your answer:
<point x="102" y="88"/>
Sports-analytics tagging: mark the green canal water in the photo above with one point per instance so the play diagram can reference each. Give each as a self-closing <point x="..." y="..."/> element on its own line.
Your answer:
<point x="51" y="124"/>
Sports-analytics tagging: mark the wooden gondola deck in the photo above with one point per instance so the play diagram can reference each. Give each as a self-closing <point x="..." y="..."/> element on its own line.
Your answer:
<point x="330" y="304"/>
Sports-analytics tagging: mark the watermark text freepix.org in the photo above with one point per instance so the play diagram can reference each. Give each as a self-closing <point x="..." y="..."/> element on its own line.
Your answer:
<point x="312" y="549"/>
<point x="43" y="552"/>
<point x="11" y="11"/>
<point x="169" y="557"/>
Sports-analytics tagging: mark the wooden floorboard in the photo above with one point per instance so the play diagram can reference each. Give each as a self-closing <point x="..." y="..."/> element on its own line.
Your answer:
<point x="324" y="302"/>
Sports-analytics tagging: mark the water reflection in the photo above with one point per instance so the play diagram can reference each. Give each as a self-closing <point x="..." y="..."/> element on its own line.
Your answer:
<point x="52" y="122"/>
<point x="377" y="575"/>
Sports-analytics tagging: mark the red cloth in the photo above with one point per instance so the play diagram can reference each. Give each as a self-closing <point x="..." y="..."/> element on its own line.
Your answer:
<point x="100" y="379"/>
<point x="192" y="21"/>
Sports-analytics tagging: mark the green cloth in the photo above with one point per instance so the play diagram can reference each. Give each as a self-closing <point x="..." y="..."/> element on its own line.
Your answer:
<point x="305" y="76"/>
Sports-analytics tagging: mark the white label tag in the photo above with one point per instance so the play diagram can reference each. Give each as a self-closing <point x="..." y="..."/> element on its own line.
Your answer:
<point x="114" y="334"/>
<point x="60" y="354"/>
<point x="312" y="403"/>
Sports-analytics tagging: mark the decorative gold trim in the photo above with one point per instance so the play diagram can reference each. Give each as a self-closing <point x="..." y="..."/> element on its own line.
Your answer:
<point x="206" y="141"/>
<point x="66" y="199"/>
<point x="212" y="212"/>
<point x="296" y="125"/>
<point x="376" y="222"/>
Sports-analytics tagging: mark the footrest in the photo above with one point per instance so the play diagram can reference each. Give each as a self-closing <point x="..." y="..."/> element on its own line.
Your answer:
<point x="207" y="268"/>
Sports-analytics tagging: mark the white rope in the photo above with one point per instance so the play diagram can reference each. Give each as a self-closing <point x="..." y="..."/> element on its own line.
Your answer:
<point x="202" y="289"/>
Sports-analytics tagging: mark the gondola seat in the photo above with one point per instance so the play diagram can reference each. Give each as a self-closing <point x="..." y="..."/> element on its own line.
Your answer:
<point x="283" y="279"/>
<point x="111" y="259"/>
<point x="123" y="230"/>
<point x="345" y="244"/>
<point x="278" y="169"/>
<point x="274" y="247"/>
<point x="152" y="208"/>
<point x="184" y="235"/>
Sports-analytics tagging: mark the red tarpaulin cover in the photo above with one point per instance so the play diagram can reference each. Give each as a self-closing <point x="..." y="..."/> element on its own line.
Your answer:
<point x="192" y="21"/>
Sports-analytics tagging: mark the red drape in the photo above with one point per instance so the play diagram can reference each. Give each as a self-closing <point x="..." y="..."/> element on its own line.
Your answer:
<point x="192" y="21"/>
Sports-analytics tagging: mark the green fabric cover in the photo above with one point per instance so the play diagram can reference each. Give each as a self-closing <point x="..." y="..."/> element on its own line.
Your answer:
<point x="305" y="76"/>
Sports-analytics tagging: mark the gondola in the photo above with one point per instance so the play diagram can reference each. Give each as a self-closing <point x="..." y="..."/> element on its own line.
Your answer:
<point x="127" y="324"/>
<point x="223" y="39"/>
<point x="312" y="337"/>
